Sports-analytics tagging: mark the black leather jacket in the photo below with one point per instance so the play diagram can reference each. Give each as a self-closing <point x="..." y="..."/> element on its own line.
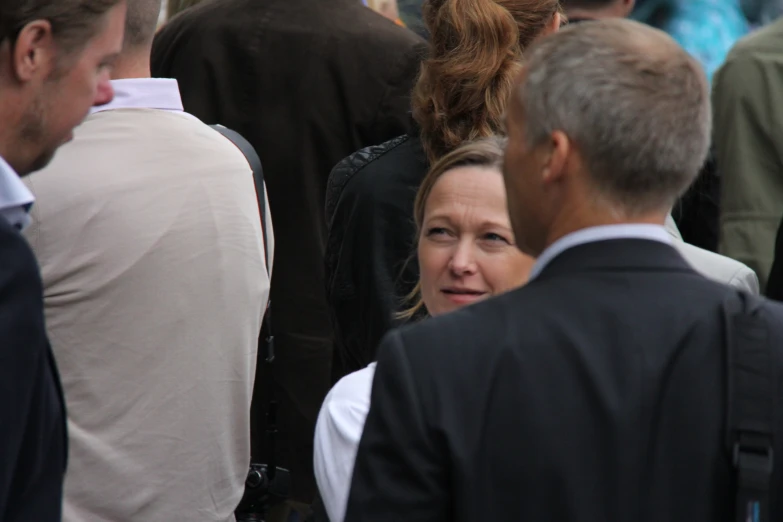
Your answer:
<point x="370" y="266"/>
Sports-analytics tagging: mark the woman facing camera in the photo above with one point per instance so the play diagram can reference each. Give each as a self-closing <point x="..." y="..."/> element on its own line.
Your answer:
<point x="474" y="55"/>
<point x="466" y="253"/>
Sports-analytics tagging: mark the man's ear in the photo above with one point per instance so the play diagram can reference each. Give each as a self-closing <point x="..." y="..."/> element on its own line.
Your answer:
<point x="556" y="157"/>
<point x="33" y="53"/>
<point x="628" y="6"/>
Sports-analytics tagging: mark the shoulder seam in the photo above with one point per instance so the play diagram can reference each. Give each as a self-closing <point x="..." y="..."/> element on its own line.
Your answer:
<point x="345" y="171"/>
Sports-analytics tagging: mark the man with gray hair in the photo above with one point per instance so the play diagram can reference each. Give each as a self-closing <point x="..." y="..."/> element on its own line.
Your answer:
<point x="54" y="65"/>
<point x="155" y="280"/>
<point x="602" y="390"/>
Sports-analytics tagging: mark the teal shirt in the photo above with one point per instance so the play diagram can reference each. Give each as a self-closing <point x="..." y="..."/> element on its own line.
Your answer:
<point x="707" y="29"/>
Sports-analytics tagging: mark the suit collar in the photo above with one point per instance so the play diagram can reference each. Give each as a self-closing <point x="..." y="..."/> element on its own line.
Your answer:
<point x="599" y="233"/>
<point x="616" y="255"/>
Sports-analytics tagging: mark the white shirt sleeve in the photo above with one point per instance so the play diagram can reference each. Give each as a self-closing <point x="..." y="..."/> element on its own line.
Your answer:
<point x="337" y="435"/>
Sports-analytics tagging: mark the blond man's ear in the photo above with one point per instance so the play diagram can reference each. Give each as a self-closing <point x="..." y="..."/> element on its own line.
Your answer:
<point x="554" y="25"/>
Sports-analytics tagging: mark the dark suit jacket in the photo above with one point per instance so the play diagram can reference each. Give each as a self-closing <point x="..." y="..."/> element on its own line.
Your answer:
<point x="595" y="393"/>
<point x="307" y="83"/>
<point x="33" y="445"/>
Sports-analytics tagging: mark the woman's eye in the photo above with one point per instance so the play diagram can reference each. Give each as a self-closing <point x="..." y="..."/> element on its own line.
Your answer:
<point x="495" y="237"/>
<point x="437" y="231"/>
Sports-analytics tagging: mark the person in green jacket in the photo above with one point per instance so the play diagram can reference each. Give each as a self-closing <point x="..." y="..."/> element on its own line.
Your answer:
<point x="747" y="102"/>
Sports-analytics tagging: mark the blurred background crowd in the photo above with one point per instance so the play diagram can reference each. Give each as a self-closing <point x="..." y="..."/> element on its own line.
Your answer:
<point x="706" y="28"/>
<point x="202" y="142"/>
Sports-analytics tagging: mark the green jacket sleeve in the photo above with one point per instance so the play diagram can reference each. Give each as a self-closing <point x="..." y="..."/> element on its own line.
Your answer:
<point x="748" y="109"/>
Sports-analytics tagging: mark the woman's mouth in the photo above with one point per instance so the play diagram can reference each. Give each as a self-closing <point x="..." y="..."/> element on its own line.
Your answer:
<point x="463" y="295"/>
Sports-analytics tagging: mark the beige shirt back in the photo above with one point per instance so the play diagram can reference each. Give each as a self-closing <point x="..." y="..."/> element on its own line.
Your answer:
<point x="147" y="230"/>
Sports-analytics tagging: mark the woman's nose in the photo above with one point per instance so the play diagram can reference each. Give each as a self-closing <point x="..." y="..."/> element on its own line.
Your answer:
<point x="463" y="261"/>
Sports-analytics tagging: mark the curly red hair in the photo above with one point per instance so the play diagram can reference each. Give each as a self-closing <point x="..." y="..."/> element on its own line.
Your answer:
<point x="474" y="57"/>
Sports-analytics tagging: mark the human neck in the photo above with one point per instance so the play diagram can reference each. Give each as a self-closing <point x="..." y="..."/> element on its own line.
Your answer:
<point x="132" y="64"/>
<point x="584" y="217"/>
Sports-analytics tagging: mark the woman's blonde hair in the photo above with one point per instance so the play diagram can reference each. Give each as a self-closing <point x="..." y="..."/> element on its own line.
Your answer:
<point x="484" y="152"/>
<point x="474" y="56"/>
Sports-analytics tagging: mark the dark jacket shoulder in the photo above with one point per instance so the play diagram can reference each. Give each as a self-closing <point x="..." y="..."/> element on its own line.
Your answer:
<point x="368" y="264"/>
<point x="601" y="300"/>
<point x="368" y="164"/>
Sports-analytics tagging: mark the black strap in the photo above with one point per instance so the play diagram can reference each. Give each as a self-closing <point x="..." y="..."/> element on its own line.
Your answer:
<point x="267" y="339"/>
<point x="258" y="178"/>
<point x="751" y="396"/>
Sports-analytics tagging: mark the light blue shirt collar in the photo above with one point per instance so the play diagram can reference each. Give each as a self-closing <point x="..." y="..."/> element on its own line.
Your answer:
<point x="15" y="198"/>
<point x="602" y="233"/>
<point x="144" y="93"/>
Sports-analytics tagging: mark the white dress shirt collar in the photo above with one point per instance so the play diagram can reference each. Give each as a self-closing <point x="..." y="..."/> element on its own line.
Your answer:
<point x="144" y="93"/>
<point x="602" y="233"/>
<point x="15" y="198"/>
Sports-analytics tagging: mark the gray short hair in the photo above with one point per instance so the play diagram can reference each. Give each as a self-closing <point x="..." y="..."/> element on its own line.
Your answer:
<point x="633" y="102"/>
<point x="141" y="23"/>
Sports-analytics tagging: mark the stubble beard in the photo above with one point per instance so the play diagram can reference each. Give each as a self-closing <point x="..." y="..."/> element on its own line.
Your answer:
<point x="33" y="133"/>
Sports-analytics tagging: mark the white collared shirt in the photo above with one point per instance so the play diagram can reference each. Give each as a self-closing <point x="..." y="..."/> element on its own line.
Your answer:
<point x="15" y="198"/>
<point x="144" y="93"/>
<point x="602" y="233"/>
<point x="337" y="435"/>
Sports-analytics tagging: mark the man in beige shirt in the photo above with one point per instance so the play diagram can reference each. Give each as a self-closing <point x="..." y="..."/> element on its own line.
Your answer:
<point x="148" y="234"/>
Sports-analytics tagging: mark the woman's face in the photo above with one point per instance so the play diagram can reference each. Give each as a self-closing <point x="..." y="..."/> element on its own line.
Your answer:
<point x="466" y="248"/>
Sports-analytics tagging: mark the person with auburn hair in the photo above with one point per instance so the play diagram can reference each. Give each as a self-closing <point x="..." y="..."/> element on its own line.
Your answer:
<point x="475" y="52"/>
<point x="467" y="253"/>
